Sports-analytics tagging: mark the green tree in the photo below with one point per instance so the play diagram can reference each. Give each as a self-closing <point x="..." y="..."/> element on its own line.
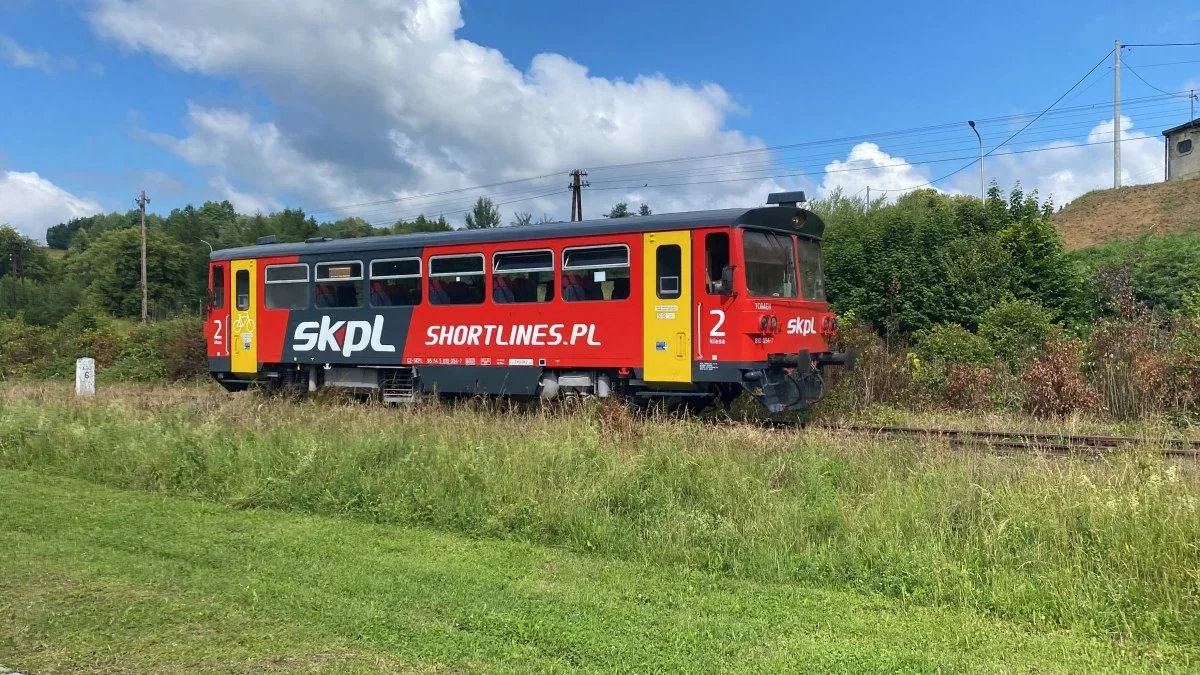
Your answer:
<point x="620" y="210"/>
<point x="483" y="215"/>
<point x="421" y="224"/>
<point x="109" y="271"/>
<point x="20" y="256"/>
<point x="520" y="218"/>
<point x="644" y="210"/>
<point x="1016" y="329"/>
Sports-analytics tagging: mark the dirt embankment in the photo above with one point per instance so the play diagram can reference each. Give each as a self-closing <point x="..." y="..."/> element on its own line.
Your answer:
<point x="1104" y="216"/>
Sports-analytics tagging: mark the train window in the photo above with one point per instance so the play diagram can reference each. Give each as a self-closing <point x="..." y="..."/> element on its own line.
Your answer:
<point x="218" y="286"/>
<point x="596" y="273"/>
<point x="770" y="264"/>
<point x="241" y="288"/>
<point x="668" y="261"/>
<point x="716" y="259"/>
<point x="396" y="282"/>
<point x="456" y="279"/>
<point x="812" y="276"/>
<point x="339" y="284"/>
<point x="286" y="287"/>
<point x="523" y="276"/>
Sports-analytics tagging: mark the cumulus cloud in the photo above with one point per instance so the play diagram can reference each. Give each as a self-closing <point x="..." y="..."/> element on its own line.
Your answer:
<point x="381" y="99"/>
<point x="31" y="203"/>
<point x="1065" y="170"/>
<point x="868" y="166"/>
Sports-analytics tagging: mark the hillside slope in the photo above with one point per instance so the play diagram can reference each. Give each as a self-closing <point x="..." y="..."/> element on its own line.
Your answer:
<point x="1104" y="216"/>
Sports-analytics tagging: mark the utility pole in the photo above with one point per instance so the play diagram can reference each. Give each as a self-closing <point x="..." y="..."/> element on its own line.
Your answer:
<point x="142" y="200"/>
<point x="577" y="185"/>
<point x="868" y="197"/>
<point x="1117" y="114"/>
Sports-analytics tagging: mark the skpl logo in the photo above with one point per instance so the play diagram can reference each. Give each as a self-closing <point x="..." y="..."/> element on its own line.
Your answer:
<point x="344" y="336"/>
<point x="798" y="326"/>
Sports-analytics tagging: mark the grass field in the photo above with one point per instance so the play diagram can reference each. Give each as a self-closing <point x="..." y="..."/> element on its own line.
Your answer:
<point x="184" y="528"/>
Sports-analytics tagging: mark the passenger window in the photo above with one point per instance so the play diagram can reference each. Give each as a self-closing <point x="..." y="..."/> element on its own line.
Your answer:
<point x="286" y="287"/>
<point x="241" y="288"/>
<point x="396" y="282"/>
<point x="812" y="276"/>
<point x="218" y="286"/>
<point x="668" y="270"/>
<point x="523" y="276"/>
<point x="339" y="284"/>
<point x="716" y="259"/>
<point x="596" y="273"/>
<point x="456" y="279"/>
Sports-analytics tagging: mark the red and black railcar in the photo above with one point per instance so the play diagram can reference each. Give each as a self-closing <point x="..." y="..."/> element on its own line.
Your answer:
<point x="687" y="307"/>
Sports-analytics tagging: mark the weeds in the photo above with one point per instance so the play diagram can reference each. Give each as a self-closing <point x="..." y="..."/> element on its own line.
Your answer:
<point x="1108" y="548"/>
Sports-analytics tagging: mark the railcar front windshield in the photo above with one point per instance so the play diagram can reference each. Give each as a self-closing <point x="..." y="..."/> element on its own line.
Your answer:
<point x="770" y="264"/>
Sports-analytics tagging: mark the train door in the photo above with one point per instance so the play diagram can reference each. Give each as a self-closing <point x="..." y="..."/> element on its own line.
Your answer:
<point x="667" y="343"/>
<point x="242" y="337"/>
<point x="714" y="301"/>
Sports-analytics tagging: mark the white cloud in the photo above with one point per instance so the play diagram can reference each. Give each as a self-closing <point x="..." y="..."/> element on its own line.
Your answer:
<point x="245" y="202"/>
<point x="32" y="204"/>
<point x="1064" y="170"/>
<point x="380" y="99"/>
<point x="17" y="56"/>
<point x="868" y="166"/>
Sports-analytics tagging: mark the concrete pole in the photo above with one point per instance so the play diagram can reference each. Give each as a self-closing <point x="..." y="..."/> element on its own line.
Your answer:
<point x="1117" y="114"/>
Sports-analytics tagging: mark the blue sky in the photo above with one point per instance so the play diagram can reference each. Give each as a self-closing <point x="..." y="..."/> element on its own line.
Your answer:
<point x="311" y="103"/>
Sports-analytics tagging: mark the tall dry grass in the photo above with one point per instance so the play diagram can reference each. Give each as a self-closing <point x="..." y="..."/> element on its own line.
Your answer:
<point x="1107" y="547"/>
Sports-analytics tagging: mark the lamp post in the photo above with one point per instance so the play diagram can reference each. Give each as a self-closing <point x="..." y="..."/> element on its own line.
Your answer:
<point x="982" y="186"/>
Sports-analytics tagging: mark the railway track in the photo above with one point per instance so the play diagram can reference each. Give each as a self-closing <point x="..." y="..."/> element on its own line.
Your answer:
<point x="1058" y="444"/>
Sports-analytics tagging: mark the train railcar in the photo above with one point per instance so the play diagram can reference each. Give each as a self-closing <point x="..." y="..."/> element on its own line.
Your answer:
<point x="684" y="308"/>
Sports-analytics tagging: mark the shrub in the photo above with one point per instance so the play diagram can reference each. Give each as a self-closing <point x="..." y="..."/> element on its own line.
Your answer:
<point x="954" y="344"/>
<point x="1016" y="329"/>
<point x="968" y="387"/>
<point x="21" y="346"/>
<point x="1054" y="383"/>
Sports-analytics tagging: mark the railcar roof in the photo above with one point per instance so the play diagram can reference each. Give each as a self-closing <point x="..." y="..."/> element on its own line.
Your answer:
<point x="784" y="218"/>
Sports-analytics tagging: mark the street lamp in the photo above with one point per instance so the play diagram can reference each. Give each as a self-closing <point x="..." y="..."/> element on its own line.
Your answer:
<point x="982" y="188"/>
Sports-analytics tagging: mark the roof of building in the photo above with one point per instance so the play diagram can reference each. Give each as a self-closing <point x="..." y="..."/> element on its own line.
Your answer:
<point x="1194" y="124"/>
<point x="785" y="218"/>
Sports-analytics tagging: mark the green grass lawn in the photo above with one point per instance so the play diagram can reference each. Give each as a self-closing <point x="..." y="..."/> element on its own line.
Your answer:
<point x="94" y="579"/>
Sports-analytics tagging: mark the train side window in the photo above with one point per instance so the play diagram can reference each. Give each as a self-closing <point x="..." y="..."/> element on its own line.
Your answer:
<point x="596" y="273"/>
<point x="523" y="276"/>
<point x="218" y="286"/>
<point x="668" y="261"/>
<point x="456" y="279"/>
<point x="812" y="274"/>
<point x="396" y="282"/>
<point x="241" y="288"/>
<point x="339" y="284"/>
<point x="716" y="259"/>
<point x="286" y="286"/>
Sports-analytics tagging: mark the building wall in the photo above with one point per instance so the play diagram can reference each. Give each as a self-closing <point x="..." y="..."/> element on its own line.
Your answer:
<point x="1183" y="166"/>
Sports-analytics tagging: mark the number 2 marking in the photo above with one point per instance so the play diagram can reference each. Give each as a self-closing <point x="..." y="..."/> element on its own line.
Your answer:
<point x="716" y="329"/>
<point x="217" y="337"/>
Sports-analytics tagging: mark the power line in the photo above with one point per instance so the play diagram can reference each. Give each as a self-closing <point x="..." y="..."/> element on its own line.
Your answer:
<point x="1167" y="44"/>
<point x="1135" y="74"/>
<point x="1116" y="124"/>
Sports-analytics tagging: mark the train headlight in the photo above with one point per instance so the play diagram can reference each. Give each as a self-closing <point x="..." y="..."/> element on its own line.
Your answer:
<point x="774" y="324"/>
<point x="762" y="324"/>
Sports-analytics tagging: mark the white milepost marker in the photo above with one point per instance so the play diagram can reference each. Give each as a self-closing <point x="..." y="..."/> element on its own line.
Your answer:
<point x="85" y="377"/>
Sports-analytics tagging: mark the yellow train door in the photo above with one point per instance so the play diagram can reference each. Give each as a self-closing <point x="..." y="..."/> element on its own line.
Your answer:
<point x="243" y="340"/>
<point x="667" y="284"/>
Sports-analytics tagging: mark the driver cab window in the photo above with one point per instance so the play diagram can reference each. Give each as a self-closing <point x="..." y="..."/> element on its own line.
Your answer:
<point x="716" y="259"/>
